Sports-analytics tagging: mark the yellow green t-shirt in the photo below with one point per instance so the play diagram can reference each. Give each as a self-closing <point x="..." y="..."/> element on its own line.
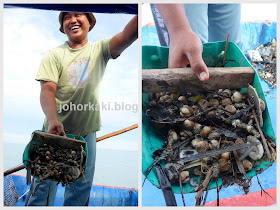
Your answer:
<point x="77" y="74"/>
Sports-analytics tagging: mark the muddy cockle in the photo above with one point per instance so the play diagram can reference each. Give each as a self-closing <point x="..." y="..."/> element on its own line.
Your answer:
<point x="200" y="145"/>
<point x="185" y="176"/>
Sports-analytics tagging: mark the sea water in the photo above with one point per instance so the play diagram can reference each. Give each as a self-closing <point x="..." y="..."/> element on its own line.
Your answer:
<point x="113" y="167"/>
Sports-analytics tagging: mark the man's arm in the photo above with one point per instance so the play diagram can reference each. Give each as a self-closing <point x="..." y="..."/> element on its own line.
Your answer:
<point x="185" y="46"/>
<point x="48" y="103"/>
<point x="122" y="40"/>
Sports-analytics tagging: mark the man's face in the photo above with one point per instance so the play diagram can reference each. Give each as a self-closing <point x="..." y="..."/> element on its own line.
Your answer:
<point x="76" y="26"/>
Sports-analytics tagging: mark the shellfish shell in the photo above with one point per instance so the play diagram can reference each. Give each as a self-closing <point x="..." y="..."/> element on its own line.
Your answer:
<point x="189" y="124"/>
<point x="197" y="170"/>
<point x="214" y="135"/>
<point x="205" y="131"/>
<point x="197" y="128"/>
<point x="195" y="142"/>
<point x="226" y="92"/>
<point x="193" y="182"/>
<point x="183" y="99"/>
<point x="236" y="97"/>
<point x="202" y="146"/>
<point x="230" y="109"/>
<point x="185" y="111"/>
<point x="225" y="155"/>
<point x="224" y="165"/>
<point x="203" y="103"/>
<point x="247" y="165"/>
<point x="214" y="102"/>
<point x="185" y="176"/>
<point x="214" y="144"/>
<point x="226" y="101"/>
<point x="172" y="135"/>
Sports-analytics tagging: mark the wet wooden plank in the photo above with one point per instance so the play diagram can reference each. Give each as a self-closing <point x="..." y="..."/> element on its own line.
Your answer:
<point x="185" y="80"/>
<point x="56" y="140"/>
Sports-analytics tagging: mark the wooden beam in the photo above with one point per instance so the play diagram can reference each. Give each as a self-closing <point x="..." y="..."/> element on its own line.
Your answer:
<point x="116" y="133"/>
<point x="185" y="80"/>
<point x="56" y="140"/>
<point x="13" y="170"/>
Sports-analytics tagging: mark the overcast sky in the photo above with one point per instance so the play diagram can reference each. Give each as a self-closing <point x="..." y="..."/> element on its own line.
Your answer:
<point x="28" y="35"/>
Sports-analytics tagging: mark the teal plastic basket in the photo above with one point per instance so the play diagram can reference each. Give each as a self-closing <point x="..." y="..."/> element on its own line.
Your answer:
<point x="76" y="141"/>
<point x="154" y="57"/>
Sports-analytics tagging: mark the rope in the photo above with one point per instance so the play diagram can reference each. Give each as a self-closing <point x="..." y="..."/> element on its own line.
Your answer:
<point x="23" y="194"/>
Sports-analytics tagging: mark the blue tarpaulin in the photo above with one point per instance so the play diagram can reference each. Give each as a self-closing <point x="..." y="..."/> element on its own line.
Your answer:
<point x="257" y="33"/>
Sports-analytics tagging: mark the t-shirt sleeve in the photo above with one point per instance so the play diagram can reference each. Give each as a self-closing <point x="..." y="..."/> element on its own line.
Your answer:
<point x="49" y="69"/>
<point x="106" y="49"/>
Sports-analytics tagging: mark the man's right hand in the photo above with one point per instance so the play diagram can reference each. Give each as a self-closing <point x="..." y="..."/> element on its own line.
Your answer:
<point x="56" y="127"/>
<point x="185" y="46"/>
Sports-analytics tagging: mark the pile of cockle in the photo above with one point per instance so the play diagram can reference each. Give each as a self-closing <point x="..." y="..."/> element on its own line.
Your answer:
<point x="267" y="61"/>
<point x="57" y="164"/>
<point x="200" y="123"/>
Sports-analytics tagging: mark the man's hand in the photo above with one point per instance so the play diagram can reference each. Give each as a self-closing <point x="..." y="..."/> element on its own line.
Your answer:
<point x="185" y="46"/>
<point x="56" y="127"/>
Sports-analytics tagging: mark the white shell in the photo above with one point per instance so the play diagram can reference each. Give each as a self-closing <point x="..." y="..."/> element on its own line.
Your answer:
<point x="172" y="135"/>
<point x="185" y="111"/>
<point x="228" y="91"/>
<point x="188" y="124"/>
<point x="257" y="151"/>
<point x="185" y="176"/>
<point x="214" y="144"/>
<point x="205" y="131"/>
<point x="214" y="135"/>
<point x="195" y="142"/>
<point x="236" y="97"/>
<point x="182" y="99"/>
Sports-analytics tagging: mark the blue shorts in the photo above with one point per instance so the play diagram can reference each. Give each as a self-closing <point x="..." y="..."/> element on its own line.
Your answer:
<point x="76" y="193"/>
<point x="210" y="22"/>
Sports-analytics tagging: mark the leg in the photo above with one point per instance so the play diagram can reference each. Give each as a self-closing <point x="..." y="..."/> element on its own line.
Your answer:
<point x="40" y="197"/>
<point x="225" y="19"/>
<point x="77" y="193"/>
<point x="198" y="19"/>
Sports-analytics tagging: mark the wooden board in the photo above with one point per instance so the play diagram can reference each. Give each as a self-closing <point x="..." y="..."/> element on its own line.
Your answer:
<point x="185" y="80"/>
<point x="56" y="140"/>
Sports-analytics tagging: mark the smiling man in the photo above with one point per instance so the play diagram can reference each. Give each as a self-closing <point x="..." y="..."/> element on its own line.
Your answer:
<point x="71" y="75"/>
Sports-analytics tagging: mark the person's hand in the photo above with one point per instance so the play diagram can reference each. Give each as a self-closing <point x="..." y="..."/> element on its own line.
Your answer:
<point x="56" y="127"/>
<point x="186" y="48"/>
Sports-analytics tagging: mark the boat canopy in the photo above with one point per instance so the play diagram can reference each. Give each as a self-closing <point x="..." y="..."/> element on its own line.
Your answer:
<point x="96" y="8"/>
